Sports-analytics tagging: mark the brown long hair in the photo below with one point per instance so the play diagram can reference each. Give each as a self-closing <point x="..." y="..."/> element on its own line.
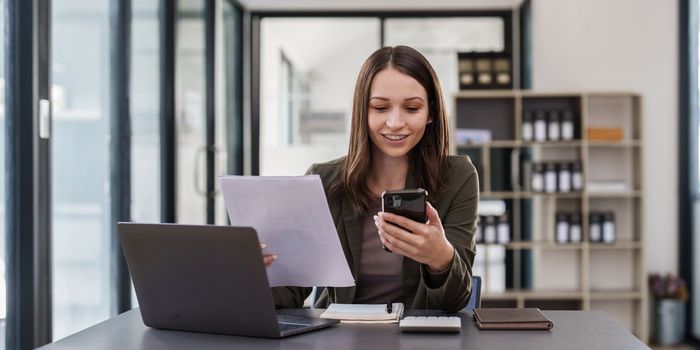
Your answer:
<point x="427" y="160"/>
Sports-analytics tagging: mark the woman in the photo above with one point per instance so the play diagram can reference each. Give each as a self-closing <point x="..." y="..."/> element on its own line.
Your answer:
<point x="399" y="139"/>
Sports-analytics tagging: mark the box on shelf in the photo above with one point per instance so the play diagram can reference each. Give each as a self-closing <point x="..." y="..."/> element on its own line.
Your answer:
<point x="604" y="134"/>
<point x="472" y="136"/>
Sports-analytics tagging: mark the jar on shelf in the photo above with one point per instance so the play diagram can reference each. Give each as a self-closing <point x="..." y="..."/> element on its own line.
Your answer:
<point x="503" y="230"/>
<point x="575" y="228"/>
<point x="540" y="126"/>
<point x="567" y="125"/>
<point x="563" y="224"/>
<point x="537" y="183"/>
<point x="608" y="225"/>
<point x="576" y="176"/>
<point x="527" y="127"/>
<point x="564" y="177"/>
<point x="594" y="227"/>
<point x="553" y="126"/>
<point x="550" y="178"/>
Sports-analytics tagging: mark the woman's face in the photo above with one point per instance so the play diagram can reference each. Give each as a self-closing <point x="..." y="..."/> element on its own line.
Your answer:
<point x="398" y="112"/>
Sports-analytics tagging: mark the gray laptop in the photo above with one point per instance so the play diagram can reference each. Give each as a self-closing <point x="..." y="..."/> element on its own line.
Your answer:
<point x="205" y="279"/>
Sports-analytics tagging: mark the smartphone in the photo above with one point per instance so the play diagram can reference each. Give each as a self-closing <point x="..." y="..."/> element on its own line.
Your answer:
<point x="406" y="203"/>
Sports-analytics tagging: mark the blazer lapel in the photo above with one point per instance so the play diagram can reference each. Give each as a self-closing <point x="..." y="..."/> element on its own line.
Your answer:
<point x="353" y="231"/>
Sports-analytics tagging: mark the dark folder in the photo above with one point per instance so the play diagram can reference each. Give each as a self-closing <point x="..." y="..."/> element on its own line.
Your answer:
<point x="515" y="319"/>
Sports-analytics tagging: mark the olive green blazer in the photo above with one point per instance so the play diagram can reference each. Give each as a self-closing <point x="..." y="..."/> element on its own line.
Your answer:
<point x="457" y="207"/>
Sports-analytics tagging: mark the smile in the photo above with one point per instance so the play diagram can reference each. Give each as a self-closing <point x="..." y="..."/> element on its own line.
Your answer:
<point x="395" y="137"/>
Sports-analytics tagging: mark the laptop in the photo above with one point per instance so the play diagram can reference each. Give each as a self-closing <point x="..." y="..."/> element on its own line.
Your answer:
<point x="205" y="279"/>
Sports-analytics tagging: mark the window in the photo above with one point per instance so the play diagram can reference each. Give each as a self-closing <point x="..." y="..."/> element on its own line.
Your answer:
<point x="191" y="136"/>
<point x="145" y="112"/>
<point x="308" y="69"/>
<point x="80" y="165"/>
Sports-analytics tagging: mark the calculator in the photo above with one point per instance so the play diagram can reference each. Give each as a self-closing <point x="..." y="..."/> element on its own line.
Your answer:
<point x="450" y="324"/>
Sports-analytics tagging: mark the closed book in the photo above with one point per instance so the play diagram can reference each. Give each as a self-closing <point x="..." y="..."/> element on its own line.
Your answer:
<point x="511" y="319"/>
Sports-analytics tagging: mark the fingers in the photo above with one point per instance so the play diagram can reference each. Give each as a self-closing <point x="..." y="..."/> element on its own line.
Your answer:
<point x="396" y="245"/>
<point x="433" y="216"/>
<point x="406" y="223"/>
<point x="397" y="236"/>
<point x="268" y="259"/>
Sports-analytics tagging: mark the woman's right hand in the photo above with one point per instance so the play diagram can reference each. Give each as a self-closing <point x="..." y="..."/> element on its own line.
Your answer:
<point x="267" y="258"/>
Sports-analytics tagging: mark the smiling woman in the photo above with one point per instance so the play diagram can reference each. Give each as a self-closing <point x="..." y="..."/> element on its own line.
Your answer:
<point x="399" y="140"/>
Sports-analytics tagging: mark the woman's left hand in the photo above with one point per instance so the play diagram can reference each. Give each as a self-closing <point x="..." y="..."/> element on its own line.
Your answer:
<point x="424" y="243"/>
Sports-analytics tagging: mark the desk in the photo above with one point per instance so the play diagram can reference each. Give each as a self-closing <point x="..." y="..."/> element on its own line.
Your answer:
<point x="572" y="330"/>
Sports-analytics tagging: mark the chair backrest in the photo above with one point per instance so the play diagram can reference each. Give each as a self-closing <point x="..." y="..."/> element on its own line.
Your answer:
<point x="315" y="295"/>
<point x="475" y="298"/>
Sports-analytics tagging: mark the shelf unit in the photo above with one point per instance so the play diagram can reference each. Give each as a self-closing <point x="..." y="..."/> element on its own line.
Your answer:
<point x="540" y="272"/>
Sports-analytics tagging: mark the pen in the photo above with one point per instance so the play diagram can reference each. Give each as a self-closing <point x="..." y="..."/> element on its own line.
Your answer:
<point x="388" y="307"/>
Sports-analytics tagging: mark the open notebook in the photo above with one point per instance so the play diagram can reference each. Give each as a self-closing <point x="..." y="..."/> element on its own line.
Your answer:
<point x="364" y="313"/>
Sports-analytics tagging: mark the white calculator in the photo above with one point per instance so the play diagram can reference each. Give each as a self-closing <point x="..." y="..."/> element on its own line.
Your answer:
<point x="431" y="324"/>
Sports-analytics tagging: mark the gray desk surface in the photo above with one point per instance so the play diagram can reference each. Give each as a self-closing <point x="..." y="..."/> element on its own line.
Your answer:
<point x="572" y="330"/>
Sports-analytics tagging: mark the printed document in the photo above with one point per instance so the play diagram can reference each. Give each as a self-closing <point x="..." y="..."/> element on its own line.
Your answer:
<point x="292" y="218"/>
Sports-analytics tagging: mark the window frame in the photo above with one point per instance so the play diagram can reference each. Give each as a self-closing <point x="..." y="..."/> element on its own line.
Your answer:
<point x="689" y="191"/>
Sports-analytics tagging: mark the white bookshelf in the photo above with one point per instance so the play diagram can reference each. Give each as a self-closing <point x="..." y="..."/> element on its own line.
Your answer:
<point x="586" y="275"/>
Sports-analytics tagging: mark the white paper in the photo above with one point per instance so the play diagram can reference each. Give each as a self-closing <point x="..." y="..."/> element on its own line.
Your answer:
<point x="292" y="218"/>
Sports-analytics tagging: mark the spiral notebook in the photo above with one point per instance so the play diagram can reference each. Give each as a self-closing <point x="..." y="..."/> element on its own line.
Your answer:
<point x="364" y="313"/>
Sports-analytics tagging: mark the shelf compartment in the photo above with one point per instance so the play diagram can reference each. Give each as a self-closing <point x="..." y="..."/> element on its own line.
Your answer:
<point x="495" y="114"/>
<point x="563" y="263"/>
<point x="627" y="211"/>
<point x="614" y="164"/>
<point x="559" y="103"/>
<point x="617" y="111"/>
<point x="614" y="271"/>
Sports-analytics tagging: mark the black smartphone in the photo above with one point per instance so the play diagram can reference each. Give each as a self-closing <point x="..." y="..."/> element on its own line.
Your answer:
<point x="406" y="203"/>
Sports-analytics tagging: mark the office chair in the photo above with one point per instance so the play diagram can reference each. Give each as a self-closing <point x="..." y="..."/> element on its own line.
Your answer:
<point x="475" y="298"/>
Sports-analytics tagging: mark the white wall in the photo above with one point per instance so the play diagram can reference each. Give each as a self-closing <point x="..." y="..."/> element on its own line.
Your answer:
<point x="628" y="45"/>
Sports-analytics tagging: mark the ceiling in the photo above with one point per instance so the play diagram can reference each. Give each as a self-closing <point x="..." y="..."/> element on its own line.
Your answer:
<point x="377" y="5"/>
